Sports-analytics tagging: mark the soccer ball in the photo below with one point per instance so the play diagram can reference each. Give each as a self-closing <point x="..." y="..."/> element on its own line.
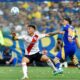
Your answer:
<point x="14" y="10"/>
<point x="18" y="28"/>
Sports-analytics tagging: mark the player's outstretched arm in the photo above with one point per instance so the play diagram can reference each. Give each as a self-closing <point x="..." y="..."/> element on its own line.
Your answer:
<point x="16" y="37"/>
<point x="54" y="33"/>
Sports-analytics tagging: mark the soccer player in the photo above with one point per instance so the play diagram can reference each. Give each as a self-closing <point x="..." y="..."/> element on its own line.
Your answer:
<point x="32" y="51"/>
<point x="70" y="40"/>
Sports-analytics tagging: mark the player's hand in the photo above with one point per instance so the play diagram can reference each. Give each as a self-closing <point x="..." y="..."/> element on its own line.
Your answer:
<point x="14" y="37"/>
<point x="13" y="33"/>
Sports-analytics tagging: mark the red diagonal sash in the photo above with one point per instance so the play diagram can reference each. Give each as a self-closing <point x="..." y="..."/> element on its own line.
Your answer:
<point x="34" y="40"/>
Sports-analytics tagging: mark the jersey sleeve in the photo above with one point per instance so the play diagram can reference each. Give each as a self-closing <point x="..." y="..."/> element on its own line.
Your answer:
<point x="40" y="35"/>
<point x="21" y="36"/>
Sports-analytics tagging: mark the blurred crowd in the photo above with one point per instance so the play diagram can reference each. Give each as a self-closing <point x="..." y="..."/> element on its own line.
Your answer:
<point x="47" y="16"/>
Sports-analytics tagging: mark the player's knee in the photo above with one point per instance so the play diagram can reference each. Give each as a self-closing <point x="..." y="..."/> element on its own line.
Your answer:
<point x="26" y="60"/>
<point x="44" y="58"/>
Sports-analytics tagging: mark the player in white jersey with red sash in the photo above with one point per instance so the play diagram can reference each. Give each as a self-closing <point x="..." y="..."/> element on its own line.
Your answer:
<point x="32" y="51"/>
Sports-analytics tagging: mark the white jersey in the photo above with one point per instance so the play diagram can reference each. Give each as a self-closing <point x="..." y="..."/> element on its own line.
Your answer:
<point x="28" y="40"/>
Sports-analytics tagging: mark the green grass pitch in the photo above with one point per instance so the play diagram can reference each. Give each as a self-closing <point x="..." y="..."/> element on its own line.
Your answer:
<point x="38" y="73"/>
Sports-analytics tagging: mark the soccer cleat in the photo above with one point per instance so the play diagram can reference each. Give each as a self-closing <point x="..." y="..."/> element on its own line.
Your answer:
<point x="59" y="71"/>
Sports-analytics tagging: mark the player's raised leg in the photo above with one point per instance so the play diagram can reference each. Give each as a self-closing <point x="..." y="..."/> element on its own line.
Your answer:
<point x="59" y="70"/>
<point x="56" y="61"/>
<point x="49" y="62"/>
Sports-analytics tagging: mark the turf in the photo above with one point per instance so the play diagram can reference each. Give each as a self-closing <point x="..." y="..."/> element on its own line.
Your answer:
<point x="38" y="73"/>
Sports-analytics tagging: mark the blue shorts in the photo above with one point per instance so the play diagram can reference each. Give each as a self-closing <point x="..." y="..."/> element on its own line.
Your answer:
<point x="68" y="51"/>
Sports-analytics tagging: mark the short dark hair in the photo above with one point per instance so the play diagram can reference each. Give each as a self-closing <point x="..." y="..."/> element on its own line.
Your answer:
<point x="68" y="19"/>
<point x="33" y="26"/>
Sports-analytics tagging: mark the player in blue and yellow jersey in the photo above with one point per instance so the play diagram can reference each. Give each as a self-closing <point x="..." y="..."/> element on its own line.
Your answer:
<point x="70" y="40"/>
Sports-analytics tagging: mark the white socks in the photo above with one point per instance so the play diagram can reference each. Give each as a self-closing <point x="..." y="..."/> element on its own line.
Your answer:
<point x="49" y="62"/>
<point x="24" y="68"/>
